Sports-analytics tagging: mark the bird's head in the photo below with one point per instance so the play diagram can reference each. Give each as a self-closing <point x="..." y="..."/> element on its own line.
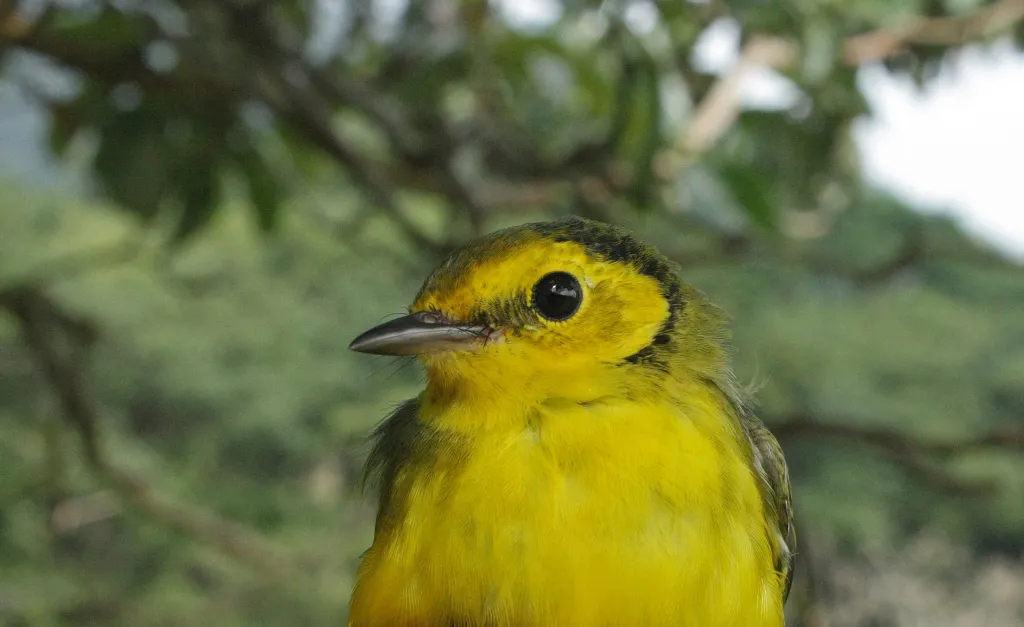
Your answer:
<point x="571" y="308"/>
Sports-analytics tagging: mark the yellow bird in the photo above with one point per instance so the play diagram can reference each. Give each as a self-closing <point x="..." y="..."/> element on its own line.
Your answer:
<point x="581" y="455"/>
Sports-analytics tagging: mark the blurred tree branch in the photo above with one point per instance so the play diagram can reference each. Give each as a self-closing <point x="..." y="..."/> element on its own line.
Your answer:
<point x="236" y="52"/>
<point x="12" y="26"/>
<point x="986" y="22"/>
<point x="718" y="109"/>
<point x="919" y="456"/>
<point x="57" y="340"/>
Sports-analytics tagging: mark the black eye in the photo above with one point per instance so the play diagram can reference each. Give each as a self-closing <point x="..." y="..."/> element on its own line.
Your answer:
<point x="557" y="296"/>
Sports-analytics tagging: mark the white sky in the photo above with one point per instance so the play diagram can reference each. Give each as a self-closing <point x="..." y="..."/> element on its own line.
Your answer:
<point x="958" y="146"/>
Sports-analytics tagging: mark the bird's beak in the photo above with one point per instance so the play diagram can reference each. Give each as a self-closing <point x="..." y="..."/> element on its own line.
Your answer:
<point x="417" y="334"/>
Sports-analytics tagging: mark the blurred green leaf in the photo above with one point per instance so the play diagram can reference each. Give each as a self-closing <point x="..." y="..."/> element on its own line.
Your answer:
<point x="133" y="161"/>
<point x="643" y="133"/>
<point x="754" y="193"/>
<point x="109" y="32"/>
<point x="262" y="185"/>
<point x="200" y="191"/>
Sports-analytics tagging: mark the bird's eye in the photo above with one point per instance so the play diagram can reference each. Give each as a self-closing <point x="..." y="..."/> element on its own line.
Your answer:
<point x="557" y="296"/>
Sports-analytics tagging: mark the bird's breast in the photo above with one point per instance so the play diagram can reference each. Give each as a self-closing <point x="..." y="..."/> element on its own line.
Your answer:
<point x="601" y="515"/>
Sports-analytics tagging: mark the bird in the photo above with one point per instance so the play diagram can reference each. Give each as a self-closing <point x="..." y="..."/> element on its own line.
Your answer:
<point x="580" y="455"/>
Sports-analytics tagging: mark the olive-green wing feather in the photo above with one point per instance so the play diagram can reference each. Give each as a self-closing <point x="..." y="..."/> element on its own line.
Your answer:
<point x="771" y="467"/>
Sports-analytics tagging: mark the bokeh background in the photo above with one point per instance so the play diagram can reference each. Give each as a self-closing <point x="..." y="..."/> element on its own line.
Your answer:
<point x="203" y="201"/>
